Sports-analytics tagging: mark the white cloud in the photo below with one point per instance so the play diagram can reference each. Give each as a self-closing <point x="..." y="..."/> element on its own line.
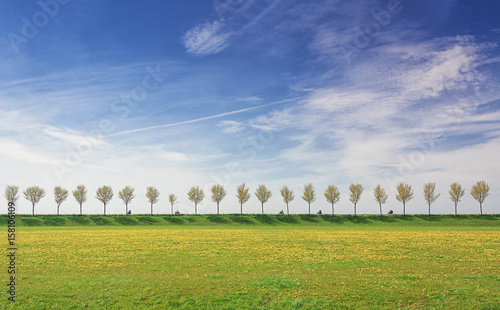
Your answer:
<point x="250" y="99"/>
<point x="174" y="156"/>
<point x="447" y="70"/>
<point x="334" y="99"/>
<point x="276" y="120"/>
<point x="19" y="151"/>
<point x="72" y="137"/>
<point x="206" y="39"/>
<point x="231" y="126"/>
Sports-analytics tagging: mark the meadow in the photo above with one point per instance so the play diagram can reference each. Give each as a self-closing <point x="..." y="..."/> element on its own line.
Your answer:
<point x="443" y="263"/>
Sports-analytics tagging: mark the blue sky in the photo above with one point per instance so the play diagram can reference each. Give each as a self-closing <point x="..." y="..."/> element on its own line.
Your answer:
<point x="175" y="94"/>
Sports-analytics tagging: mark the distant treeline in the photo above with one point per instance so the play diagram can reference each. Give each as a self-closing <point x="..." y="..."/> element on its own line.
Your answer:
<point x="104" y="194"/>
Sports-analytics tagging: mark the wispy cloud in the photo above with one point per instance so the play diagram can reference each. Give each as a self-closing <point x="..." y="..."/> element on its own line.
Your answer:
<point x="276" y="120"/>
<point x="206" y="39"/>
<point x="196" y="120"/>
<point x="250" y="99"/>
<point x="19" y="151"/>
<point x="72" y="137"/>
<point x="231" y="126"/>
<point x="446" y="70"/>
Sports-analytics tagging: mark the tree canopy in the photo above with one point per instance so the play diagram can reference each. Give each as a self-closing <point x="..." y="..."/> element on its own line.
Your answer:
<point x="263" y="194"/>
<point x="34" y="194"/>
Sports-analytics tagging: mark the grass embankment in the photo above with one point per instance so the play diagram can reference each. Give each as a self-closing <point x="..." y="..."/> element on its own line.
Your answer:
<point x="296" y="221"/>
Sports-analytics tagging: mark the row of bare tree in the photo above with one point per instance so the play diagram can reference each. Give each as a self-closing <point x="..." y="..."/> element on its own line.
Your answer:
<point x="332" y="194"/>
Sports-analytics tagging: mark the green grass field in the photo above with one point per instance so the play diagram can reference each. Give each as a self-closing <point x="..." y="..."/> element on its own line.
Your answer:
<point x="257" y="262"/>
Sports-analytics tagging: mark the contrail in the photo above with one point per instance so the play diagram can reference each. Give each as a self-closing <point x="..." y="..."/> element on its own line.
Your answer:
<point x="488" y="61"/>
<point x="125" y="132"/>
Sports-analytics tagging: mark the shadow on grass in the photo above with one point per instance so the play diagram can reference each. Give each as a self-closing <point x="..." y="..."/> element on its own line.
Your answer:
<point x="150" y="220"/>
<point x="383" y="218"/>
<point x="359" y="219"/>
<point x="125" y="220"/>
<point x="485" y="217"/>
<point x="32" y="221"/>
<point x="217" y="219"/>
<point x="174" y="219"/>
<point x="101" y="220"/>
<point x="79" y="219"/>
<point x="190" y="219"/>
<point x="334" y="219"/>
<point x="310" y="218"/>
<point x="430" y="218"/>
<point x="242" y="219"/>
<point x="287" y="219"/>
<point x="266" y="219"/>
<point x="404" y="217"/>
<point x="54" y="221"/>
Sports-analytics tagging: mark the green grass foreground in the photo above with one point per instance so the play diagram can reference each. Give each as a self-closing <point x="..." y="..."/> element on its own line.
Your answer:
<point x="257" y="262"/>
<point x="258" y="220"/>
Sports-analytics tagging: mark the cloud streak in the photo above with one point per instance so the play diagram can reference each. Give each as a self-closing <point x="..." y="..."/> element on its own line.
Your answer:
<point x="196" y="120"/>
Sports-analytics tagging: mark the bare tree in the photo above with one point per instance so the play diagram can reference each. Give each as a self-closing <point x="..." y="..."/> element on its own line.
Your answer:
<point x="152" y="193"/>
<point x="34" y="194"/>
<point x="429" y="194"/>
<point x="80" y="195"/>
<point x="332" y="195"/>
<point x="405" y="194"/>
<point x="380" y="196"/>
<point x="356" y="191"/>
<point x="126" y="195"/>
<point x="263" y="194"/>
<point x="288" y="196"/>
<point x="11" y="193"/>
<point x="196" y="195"/>
<point x="60" y="195"/>
<point x="242" y="193"/>
<point x="309" y="195"/>
<point x="104" y="194"/>
<point x="173" y="200"/>
<point x="456" y="193"/>
<point x="218" y="193"/>
<point x="479" y="192"/>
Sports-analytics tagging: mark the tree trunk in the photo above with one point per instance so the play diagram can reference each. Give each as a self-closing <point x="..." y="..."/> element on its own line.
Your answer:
<point x="456" y="208"/>
<point x="241" y="208"/>
<point x="481" y="207"/>
<point x="262" y="208"/>
<point x="151" y="208"/>
<point x="309" y="208"/>
<point x="333" y="211"/>
<point x="354" y="209"/>
<point x="287" y="210"/>
<point x="217" y="208"/>
<point x="195" y="209"/>
<point x="404" y="208"/>
<point x="429" y="209"/>
<point x="58" y="209"/>
<point x="126" y="209"/>
<point x="33" y="211"/>
<point x="172" y="210"/>
<point x="80" y="209"/>
<point x="380" y="206"/>
<point x="104" y="209"/>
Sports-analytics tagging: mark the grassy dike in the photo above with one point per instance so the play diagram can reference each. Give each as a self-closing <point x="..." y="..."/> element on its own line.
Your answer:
<point x="258" y="220"/>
